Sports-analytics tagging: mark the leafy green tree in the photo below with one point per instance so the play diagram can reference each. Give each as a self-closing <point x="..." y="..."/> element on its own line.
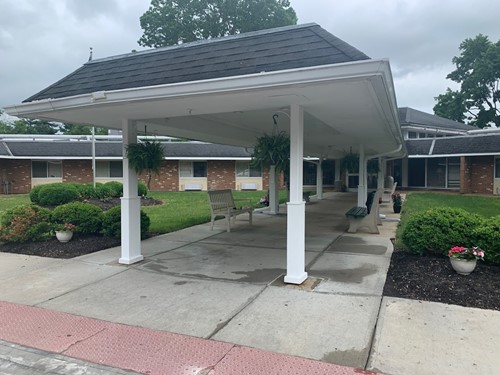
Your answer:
<point x="28" y="126"/>
<point x="74" y="129"/>
<point x="169" y="22"/>
<point x="478" y="73"/>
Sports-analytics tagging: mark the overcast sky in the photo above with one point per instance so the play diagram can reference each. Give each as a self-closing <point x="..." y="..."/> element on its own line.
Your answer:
<point x="42" y="41"/>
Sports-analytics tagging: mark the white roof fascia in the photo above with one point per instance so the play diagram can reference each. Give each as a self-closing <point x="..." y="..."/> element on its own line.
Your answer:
<point x="453" y="155"/>
<point x="323" y="73"/>
<point x="60" y="158"/>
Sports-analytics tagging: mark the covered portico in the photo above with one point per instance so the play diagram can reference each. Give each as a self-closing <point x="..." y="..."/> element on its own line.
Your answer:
<point x="327" y="109"/>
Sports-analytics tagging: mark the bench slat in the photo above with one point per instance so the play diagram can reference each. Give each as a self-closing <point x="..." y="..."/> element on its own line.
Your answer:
<point x="357" y="212"/>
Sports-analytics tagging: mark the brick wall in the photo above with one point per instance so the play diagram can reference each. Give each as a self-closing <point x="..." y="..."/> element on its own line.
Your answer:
<point x="77" y="171"/>
<point x="167" y="179"/>
<point x="221" y="174"/>
<point x="18" y="173"/>
<point x="476" y="174"/>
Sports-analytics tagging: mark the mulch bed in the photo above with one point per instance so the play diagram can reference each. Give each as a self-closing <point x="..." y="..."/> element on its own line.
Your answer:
<point x="431" y="278"/>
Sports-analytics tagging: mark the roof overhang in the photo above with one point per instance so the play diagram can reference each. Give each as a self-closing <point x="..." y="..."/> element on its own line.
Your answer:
<point x="345" y="105"/>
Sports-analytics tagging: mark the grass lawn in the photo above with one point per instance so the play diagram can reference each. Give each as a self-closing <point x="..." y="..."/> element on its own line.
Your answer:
<point x="9" y="201"/>
<point x="184" y="209"/>
<point x="421" y="201"/>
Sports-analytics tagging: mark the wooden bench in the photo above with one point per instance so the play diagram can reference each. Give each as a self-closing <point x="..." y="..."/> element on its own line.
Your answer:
<point x="365" y="217"/>
<point x="223" y="204"/>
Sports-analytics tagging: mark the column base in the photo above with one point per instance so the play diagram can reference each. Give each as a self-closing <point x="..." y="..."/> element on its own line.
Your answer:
<point x="296" y="279"/>
<point x="133" y="260"/>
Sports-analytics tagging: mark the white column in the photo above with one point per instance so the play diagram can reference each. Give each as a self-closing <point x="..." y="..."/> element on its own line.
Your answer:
<point x="319" y="179"/>
<point x="362" y="177"/>
<point x="381" y="173"/>
<point x="273" y="191"/>
<point x="130" y="203"/>
<point x="295" y="250"/>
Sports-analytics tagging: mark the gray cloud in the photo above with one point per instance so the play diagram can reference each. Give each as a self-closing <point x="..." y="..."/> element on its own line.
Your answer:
<point x="42" y="41"/>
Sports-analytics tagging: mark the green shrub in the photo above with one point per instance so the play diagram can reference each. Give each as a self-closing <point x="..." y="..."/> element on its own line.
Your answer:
<point x="25" y="223"/>
<point x="487" y="237"/>
<point x="86" y="191"/>
<point x="438" y="229"/>
<point x="35" y="194"/>
<point x="87" y="217"/>
<point x="142" y="189"/>
<point x="111" y="223"/>
<point x="116" y="188"/>
<point x="56" y="194"/>
<point x="103" y="191"/>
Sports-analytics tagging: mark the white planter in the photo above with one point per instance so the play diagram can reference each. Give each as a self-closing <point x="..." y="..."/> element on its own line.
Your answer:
<point x="463" y="266"/>
<point x="64" y="235"/>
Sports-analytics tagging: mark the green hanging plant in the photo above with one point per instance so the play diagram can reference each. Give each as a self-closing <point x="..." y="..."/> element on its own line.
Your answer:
<point x="372" y="166"/>
<point x="274" y="150"/>
<point x="350" y="163"/>
<point x="145" y="156"/>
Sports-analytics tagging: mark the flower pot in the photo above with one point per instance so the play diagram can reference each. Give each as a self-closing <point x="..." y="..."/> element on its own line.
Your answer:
<point x="463" y="266"/>
<point x="397" y="209"/>
<point x="64" y="235"/>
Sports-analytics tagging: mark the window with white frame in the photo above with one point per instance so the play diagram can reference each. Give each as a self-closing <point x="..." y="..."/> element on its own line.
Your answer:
<point x="192" y="168"/>
<point x="109" y="169"/>
<point x="46" y="169"/>
<point x="246" y="169"/>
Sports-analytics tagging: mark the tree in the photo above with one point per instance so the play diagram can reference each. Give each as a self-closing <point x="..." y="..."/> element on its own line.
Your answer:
<point x="478" y="73"/>
<point x="28" y="126"/>
<point x="170" y="22"/>
<point x="74" y="129"/>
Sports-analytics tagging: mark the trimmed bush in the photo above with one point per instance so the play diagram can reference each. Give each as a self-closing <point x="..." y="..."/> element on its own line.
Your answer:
<point x="103" y="191"/>
<point x="487" y="237"/>
<point x="86" y="191"/>
<point x="87" y="217"/>
<point x="35" y="194"/>
<point x="142" y="189"/>
<point x="438" y="229"/>
<point x="116" y="188"/>
<point x="111" y="222"/>
<point x="57" y="194"/>
<point x="25" y="223"/>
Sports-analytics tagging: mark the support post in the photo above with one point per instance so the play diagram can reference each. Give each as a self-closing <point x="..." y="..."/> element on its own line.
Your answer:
<point x="319" y="179"/>
<point x="381" y="173"/>
<point x="273" y="191"/>
<point x="130" y="203"/>
<point x="362" y="177"/>
<point x="295" y="259"/>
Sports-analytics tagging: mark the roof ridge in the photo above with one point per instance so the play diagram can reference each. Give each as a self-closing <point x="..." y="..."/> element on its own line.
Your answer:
<point x="204" y="42"/>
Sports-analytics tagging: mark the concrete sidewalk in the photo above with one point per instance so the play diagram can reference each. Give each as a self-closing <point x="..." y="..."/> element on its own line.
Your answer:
<point x="228" y="288"/>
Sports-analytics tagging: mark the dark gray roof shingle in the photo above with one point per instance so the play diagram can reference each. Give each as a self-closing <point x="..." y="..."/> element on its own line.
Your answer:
<point x="267" y="50"/>
<point x="410" y="116"/>
<point x="458" y="145"/>
<point x="418" y="146"/>
<point x="67" y="149"/>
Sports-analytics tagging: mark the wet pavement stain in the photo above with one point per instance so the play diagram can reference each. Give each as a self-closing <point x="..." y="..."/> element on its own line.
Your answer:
<point x="358" y="249"/>
<point x="352" y="358"/>
<point x="349" y="276"/>
<point x="264" y="275"/>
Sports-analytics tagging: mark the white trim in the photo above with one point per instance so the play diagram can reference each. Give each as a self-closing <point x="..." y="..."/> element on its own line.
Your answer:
<point x="452" y="155"/>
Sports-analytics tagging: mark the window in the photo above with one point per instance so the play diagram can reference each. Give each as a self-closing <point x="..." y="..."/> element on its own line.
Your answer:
<point x="109" y="169"/>
<point x="497" y="167"/>
<point x="46" y="169"/>
<point x="246" y="169"/>
<point x="412" y="135"/>
<point x="192" y="168"/>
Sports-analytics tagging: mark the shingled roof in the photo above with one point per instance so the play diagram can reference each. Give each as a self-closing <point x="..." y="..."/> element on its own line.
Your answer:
<point x="481" y="144"/>
<point x="83" y="149"/>
<point x="410" y="116"/>
<point x="270" y="50"/>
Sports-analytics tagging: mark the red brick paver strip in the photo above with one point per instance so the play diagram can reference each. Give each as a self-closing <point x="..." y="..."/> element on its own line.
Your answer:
<point x="146" y="350"/>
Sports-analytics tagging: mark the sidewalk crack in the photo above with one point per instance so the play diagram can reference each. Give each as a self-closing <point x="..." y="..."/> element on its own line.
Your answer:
<point x="84" y="339"/>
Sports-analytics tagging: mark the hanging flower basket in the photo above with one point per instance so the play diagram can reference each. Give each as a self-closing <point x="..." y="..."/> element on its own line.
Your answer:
<point x="145" y="156"/>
